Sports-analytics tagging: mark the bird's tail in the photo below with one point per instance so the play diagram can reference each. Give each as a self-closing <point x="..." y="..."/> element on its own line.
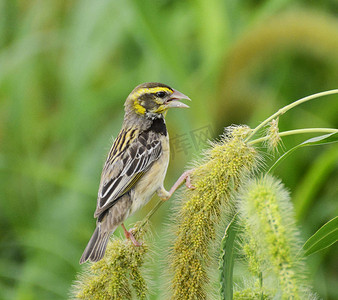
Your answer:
<point x="97" y="245"/>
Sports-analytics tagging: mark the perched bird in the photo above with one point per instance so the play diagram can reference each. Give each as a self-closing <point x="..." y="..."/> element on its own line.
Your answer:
<point x="136" y="164"/>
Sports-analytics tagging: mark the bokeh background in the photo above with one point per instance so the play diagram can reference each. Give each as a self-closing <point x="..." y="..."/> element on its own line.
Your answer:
<point x="66" y="68"/>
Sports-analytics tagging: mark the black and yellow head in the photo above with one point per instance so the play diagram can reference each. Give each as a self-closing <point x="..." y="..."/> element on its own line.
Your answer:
<point x="152" y="98"/>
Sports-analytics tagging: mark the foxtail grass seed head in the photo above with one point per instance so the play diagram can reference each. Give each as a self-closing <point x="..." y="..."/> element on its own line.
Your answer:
<point x="267" y="216"/>
<point x="199" y="211"/>
<point x="249" y="247"/>
<point x="273" y="138"/>
<point x="118" y="275"/>
<point x="250" y="294"/>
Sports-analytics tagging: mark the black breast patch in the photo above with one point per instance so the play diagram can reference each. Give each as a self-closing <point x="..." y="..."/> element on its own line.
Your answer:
<point x="158" y="126"/>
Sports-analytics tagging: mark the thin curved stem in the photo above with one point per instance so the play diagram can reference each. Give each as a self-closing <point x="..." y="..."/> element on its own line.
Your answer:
<point x="296" y="131"/>
<point x="288" y="107"/>
<point x="149" y="215"/>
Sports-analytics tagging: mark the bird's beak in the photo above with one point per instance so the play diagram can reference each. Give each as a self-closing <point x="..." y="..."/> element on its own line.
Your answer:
<point x="173" y="101"/>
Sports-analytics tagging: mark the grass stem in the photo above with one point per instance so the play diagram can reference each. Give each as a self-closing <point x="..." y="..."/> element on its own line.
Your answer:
<point x="296" y="131"/>
<point x="288" y="107"/>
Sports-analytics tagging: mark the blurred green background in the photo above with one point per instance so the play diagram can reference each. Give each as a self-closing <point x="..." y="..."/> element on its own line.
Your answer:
<point x="66" y="68"/>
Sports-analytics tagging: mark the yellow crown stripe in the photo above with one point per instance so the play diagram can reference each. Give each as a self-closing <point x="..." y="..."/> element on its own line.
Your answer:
<point x="153" y="90"/>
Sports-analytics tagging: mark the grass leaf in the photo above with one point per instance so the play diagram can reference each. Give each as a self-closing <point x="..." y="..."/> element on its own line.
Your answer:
<point x="323" y="238"/>
<point x="318" y="140"/>
<point x="226" y="263"/>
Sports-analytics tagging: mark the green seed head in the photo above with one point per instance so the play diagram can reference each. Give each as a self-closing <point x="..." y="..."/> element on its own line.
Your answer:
<point x="118" y="275"/>
<point x="271" y="241"/>
<point x="274" y="140"/>
<point x="199" y="211"/>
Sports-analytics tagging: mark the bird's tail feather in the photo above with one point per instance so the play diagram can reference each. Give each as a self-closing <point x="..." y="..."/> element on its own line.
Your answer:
<point x="96" y="246"/>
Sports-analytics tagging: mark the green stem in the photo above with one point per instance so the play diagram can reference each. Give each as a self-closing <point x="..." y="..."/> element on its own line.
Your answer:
<point x="296" y="131"/>
<point x="288" y="107"/>
<point x="149" y="215"/>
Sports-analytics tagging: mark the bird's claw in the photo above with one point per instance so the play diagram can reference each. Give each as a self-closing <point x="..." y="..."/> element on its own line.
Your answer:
<point x="188" y="183"/>
<point x="190" y="186"/>
<point x="129" y="235"/>
<point x="184" y="177"/>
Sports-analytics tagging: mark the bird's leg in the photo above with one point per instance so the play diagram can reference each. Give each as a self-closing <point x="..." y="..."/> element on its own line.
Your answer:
<point x="130" y="236"/>
<point x="165" y="195"/>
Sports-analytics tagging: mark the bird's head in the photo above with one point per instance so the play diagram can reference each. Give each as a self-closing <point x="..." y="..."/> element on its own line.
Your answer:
<point x="153" y="99"/>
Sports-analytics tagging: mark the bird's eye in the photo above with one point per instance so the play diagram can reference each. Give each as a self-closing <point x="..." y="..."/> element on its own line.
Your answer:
<point x="160" y="94"/>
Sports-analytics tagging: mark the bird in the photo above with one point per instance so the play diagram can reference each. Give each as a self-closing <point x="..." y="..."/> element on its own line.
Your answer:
<point x="136" y="164"/>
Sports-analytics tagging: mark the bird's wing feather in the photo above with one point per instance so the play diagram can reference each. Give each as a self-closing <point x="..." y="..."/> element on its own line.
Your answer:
<point x="130" y="157"/>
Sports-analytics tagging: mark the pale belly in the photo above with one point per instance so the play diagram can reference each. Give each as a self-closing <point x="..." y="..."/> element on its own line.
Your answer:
<point x="150" y="182"/>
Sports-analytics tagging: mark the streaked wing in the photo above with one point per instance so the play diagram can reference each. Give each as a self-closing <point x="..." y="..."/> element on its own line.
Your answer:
<point x="130" y="157"/>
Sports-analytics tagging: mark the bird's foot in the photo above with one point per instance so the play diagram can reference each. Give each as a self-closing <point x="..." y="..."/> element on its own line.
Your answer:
<point x="164" y="195"/>
<point x="188" y="183"/>
<point x="129" y="235"/>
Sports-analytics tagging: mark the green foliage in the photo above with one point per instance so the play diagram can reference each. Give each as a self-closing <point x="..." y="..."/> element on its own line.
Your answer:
<point x="318" y="140"/>
<point x="324" y="237"/>
<point x="226" y="261"/>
